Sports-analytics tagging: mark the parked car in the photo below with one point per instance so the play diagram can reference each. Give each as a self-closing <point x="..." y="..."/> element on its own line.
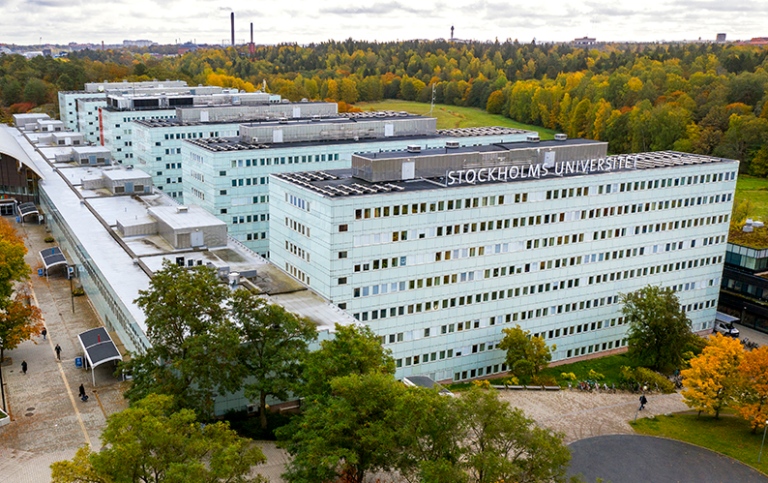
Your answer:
<point x="726" y="329"/>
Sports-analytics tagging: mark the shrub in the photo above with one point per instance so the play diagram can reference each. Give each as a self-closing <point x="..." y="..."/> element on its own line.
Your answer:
<point x="568" y="376"/>
<point x="595" y="376"/>
<point x="78" y="291"/>
<point x="543" y="380"/>
<point x="643" y="376"/>
<point x="49" y="239"/>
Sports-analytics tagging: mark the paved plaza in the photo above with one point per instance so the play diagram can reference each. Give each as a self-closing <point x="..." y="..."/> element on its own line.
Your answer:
<point x="50" y="422"/>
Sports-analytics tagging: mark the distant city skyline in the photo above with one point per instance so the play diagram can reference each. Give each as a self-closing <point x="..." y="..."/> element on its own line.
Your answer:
<point x="33" y="22"/>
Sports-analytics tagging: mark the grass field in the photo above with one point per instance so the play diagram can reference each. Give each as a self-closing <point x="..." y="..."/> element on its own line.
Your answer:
<point x="756" y="191"/>
<point x="728" y="435"/>
<point x="449" y="117"/>
<point x="608" y="366"/>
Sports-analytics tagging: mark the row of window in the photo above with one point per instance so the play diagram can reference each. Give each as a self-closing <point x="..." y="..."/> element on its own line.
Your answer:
<point x="297" y="250"/>
<point x="249" y="181"/>
<point x="236" y="220"/>
<point x="297" y="274"/>
<point x="306" y="158"/>
<point x="449" y="205"/>
<point x="256" y="236"/>
<point x="430" y="232"/>
<point x="297" y="227"/>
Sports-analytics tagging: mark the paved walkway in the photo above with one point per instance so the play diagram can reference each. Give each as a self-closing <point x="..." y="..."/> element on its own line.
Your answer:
<point x="49" y="420"/>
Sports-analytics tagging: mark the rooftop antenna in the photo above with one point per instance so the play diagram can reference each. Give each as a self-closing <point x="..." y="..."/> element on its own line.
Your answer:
<point x="451" y="32"/>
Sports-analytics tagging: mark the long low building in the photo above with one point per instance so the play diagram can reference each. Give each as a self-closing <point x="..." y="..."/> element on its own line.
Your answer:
<point x="439" y="250"/>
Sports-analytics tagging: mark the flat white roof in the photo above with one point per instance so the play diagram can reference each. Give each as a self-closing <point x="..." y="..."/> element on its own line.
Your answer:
<point x="193" y="218"/>
<point x="125" y="174"/>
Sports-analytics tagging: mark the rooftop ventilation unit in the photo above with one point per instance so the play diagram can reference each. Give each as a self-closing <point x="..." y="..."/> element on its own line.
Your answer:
<point x="283" y="120"/>
<point x="532" y="138"/>
<point x="414" y="148"/>
<point x="452" y="144"/>
<point x="182" y="209"/>
<point x="315" y="118"/>
<point x="561" y="137"/>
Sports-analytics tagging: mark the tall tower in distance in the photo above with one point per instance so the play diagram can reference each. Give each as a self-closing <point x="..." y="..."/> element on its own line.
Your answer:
<point x="451" y="31"/>
<point x="232" y="21"/>
<point x="251" y="46"/>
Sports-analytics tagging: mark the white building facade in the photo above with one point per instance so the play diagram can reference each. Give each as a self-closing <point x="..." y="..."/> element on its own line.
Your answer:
<point x="230" y="177"/>
<point x="439" y="251"/>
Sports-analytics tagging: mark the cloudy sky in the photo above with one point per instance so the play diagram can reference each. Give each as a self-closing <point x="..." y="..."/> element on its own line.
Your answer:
<point x="304" y="21"/>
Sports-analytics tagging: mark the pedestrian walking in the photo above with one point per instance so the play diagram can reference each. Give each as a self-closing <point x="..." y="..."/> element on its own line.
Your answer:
<point x="643" y="402"/>
<point x="44" y="332"/>
<point x="83" y="396"/>
<point x="24" y="367"/>
<point x="58" y="351"/>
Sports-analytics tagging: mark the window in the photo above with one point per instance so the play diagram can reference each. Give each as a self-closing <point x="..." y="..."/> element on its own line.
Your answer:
<point x="342" y="255"/>
<point x="342" y="280"/>
<point x="343" y="228"/>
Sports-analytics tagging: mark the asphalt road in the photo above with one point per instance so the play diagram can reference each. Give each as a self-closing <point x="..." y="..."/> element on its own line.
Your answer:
<point x="645" y="459"/>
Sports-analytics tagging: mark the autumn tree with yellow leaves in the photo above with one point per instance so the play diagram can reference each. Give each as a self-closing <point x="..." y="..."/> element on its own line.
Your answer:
<point x="753" y="394"/>
<point x="712" y="382"/>
<point x="19" y="321"/>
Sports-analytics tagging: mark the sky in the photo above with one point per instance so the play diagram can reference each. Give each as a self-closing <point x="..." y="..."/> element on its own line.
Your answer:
<point x="28" y="22"/>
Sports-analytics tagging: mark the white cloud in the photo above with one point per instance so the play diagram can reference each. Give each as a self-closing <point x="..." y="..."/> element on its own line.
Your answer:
<point x="303" y="21"/>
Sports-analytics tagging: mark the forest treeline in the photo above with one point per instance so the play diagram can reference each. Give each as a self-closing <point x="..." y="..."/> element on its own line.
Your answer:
<point x="701" y="98"/>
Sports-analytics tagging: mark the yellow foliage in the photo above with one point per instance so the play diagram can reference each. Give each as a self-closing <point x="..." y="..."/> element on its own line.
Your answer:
<point x="223" y="80"/>
<point x="634" y="84"/>
<point x="753" y="400"/>
<point x="712" y="380"/>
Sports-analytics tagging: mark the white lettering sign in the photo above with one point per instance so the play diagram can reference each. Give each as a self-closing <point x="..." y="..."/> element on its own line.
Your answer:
<point x="536" y="171"/>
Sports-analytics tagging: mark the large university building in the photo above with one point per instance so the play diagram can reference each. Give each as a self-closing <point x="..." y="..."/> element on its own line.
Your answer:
<point x="439" y="250"/>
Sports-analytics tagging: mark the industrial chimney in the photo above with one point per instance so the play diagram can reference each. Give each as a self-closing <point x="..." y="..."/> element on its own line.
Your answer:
<point x="251" y="47"/>
<point x="232" y="20"/>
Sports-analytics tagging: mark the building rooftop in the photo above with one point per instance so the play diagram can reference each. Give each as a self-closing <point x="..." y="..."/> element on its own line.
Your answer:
<point x="341" y="182"/>
<point x="127" y="262"/>
<point x="237" y="144"/>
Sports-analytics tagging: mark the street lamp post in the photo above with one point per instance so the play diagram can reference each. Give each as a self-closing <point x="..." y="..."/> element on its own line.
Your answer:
<point x="763" y="443"/>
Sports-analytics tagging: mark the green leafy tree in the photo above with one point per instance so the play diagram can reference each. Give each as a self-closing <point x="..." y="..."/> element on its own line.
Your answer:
<point x="712" y="381"/>
<point x="429" y="435"/>
<point x="352" y="350"/>
<point x="195" y="345"/>
<point x="149" y="443"/>
<point x="347" y="435"/>
<point x="274" y="345"/>
<point x="526" y="355"/>
<point x="502" y="444"/>
<point x="659" y="331"/>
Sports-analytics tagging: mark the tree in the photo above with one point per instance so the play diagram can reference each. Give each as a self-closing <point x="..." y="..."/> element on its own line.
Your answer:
<point x="195" y="345"/>
<point x="13" y="267"/>
<point x="711" y="383"/>
<point x="19" y="321"/>
<point x="352" y="350"/>
<point x="274" y="345"/>
<point x="752" y="403"/>
<point x="36" y="91"/>
<point x="502" y="444"/>
<point x="148" y="442"/>
<point x="347" y="435"/>
<point x="659" y="331"/>
<point x="526" y="355"/>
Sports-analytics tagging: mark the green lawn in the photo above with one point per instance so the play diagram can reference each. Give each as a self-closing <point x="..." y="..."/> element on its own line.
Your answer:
<point x="449" y="117"/>
<point x="608" y="366"/>
<point x="728" y="435"/>
<point x="756" y="191"/>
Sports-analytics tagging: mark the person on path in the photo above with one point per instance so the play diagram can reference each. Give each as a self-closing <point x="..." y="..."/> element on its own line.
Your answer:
<point x="643" y="402"/>
<point x="83" y="397"/>
<point x="58" y="351"/>
<point x="24" y="367"/>
<point x="44" y="332"/>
